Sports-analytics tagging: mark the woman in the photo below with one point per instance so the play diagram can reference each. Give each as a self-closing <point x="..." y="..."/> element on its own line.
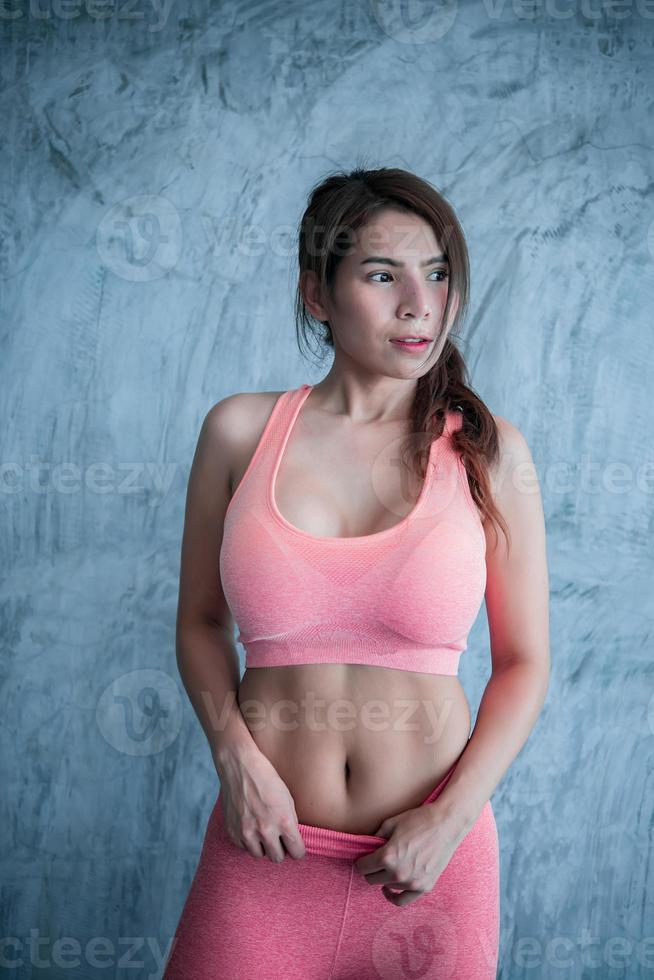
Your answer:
<point x="353" y="835"/>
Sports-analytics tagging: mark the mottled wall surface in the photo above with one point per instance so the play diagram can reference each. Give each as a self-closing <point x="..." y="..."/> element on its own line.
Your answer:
<point x="155" y="161"/>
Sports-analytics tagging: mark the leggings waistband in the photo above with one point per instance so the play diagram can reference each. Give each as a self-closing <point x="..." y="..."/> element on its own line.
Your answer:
<point x="340" y="844"/>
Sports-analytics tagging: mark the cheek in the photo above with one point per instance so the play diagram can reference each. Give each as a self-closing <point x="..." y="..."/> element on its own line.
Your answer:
<point x="360" y="297"/>
<point x="362" y="319"/>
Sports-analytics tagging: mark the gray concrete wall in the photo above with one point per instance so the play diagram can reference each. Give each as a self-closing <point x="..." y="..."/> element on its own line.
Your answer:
<point x="137" y="148"/>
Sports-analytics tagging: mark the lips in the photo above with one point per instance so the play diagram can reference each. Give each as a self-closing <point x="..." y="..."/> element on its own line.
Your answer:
<point x="417" y="346"/>
<point x="412" y="337"/>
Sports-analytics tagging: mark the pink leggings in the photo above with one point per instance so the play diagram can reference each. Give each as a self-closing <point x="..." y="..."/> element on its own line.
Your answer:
<point x="317" y="918"/>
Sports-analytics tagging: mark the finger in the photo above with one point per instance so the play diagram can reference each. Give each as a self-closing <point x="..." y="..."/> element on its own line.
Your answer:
<point x="294" y="845"/>
<point x="402" y="898"/>
<point x="252" y="845"/>
<point x="274" y="849"/>
<point x="260" y="846"/>
<point x="371" y="863"/>
<point x="384" y="877"/>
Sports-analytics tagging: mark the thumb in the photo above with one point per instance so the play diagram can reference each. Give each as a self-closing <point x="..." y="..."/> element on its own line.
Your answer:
<point x="386" y="828"/>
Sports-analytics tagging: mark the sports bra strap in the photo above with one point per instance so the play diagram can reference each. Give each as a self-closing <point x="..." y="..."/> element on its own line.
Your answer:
<point x="454" y="421"/>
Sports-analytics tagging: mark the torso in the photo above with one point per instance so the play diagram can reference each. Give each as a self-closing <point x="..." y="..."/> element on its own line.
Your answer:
<point x="397" y="732"/>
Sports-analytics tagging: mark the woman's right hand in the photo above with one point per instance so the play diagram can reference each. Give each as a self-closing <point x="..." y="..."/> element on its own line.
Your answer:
<point x="258" y="809"/>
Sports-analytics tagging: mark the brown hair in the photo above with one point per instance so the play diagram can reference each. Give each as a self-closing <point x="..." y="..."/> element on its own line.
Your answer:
<point x="340" y="204"/>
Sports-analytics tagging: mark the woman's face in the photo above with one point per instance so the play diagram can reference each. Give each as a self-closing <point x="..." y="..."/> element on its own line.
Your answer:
<point x="392" y="284"/>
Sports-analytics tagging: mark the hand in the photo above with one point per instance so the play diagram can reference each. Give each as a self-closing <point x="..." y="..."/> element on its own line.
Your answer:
<point x="258" y="809"/>
<point x="412" y="860"/>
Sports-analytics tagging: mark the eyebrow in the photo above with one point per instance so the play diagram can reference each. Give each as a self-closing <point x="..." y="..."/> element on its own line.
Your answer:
<point x="381" y="260"/>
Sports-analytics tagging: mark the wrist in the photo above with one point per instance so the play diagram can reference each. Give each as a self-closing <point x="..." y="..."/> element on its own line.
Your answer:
<point x="229" y="754"/>
<point x="451" y="820"/>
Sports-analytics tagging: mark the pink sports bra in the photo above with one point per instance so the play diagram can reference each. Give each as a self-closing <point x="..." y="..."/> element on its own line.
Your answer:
<point x="405" y="597"/>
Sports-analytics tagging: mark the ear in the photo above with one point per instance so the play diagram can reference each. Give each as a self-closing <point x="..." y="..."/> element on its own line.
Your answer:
<point x="311" y="293"/>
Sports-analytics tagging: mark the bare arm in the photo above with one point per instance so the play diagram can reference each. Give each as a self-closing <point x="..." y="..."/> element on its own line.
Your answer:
<point x="207" y="658"/>
<point x="208" y="665"/>
<point x="517" y="603"/>
<point x="258" y="807"/>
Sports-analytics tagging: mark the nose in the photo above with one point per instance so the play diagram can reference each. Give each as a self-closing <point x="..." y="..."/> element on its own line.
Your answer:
<point x="414" y="305"/>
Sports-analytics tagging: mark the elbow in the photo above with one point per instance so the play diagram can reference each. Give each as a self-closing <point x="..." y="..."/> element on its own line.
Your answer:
<point x="538" y="667"/>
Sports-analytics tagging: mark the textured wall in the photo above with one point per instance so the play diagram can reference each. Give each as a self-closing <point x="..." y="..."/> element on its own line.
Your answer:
<point x="139" y="144"/>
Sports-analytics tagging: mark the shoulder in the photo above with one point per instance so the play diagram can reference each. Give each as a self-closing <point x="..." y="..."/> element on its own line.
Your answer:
<point x="236" y="417"/>
<point x="511" y="440"/>
<point x="510" y="436"/>
<point x="233" y="426"/>
<point x="513" y="473"/>
<point x="517" y="583"/>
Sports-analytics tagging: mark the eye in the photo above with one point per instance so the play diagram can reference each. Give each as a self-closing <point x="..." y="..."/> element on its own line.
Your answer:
<point x="440" y="272"/>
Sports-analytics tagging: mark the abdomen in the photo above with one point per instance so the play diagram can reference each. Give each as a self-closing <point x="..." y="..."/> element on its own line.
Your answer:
<point x="355" y="743"/>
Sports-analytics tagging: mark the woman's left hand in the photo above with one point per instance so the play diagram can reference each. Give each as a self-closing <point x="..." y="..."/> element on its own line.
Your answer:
<point x="417" y="852"/>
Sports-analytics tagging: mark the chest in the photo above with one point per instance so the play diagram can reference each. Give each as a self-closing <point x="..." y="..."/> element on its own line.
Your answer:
<point x="347" y="482"/>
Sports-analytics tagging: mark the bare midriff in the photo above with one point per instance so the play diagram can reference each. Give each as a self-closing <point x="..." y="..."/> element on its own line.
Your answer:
<point x="355" y="743"/>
